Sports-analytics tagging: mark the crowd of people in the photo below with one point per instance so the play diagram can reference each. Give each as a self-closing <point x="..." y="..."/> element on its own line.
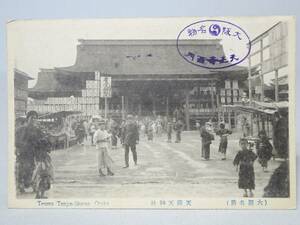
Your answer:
<point x="34" y="168"/>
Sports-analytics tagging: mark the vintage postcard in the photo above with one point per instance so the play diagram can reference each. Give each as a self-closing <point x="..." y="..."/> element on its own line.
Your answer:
<point x="154" y="113"/>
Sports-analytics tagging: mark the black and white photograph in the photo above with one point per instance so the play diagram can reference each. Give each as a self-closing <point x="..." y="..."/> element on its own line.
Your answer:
<point x="180" y="113"/>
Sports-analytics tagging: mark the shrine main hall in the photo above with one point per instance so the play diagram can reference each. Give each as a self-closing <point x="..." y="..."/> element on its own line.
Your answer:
<point x="148" y="77"/>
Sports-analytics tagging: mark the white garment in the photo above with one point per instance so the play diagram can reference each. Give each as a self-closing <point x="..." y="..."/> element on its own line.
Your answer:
<point x="101" y="138"/>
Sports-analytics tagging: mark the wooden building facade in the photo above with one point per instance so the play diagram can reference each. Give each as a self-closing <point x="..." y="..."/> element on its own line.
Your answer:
<point x="149" y="77"/>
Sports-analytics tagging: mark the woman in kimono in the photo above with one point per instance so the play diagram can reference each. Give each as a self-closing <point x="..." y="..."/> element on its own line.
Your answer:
<point x="207" y="137"/>
<point x="223" y="133"/>
<point x="264" y="150"/>
<point x="101" y="139"/>
<point x="244" y="160"/>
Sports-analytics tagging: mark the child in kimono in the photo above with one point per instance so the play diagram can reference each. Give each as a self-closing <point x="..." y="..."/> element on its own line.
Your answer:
<point x="244" y="160"/>
<point x="264" y="150"/>
<point x="223" y="133"/>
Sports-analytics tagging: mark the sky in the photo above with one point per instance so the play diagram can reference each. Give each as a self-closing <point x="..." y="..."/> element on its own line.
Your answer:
<point x="35" y="44"/>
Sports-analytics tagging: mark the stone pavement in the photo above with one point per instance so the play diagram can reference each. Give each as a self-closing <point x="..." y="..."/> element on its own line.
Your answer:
<point x="164" y="170"/>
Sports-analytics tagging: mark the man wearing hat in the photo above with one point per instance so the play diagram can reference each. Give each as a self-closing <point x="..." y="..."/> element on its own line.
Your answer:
<point x="131" y="138"/>
<point x="101" y="138"/>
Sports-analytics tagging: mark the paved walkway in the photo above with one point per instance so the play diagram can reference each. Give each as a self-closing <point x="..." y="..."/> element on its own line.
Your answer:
<point x="164" y="170"/>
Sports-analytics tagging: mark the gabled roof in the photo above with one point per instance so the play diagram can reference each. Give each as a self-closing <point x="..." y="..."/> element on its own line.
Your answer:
<point x="132" y="58"/>
<point x="22" y="74"/>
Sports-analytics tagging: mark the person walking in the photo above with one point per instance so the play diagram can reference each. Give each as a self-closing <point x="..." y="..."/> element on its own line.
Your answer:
<point x="207" y="138"/>
<point x="178" y="128"/>
<point x="244" y="161"/>
<point x="121" y="132"/>
<point x="131" y="139"/>
<point x="101" y="139"/>
<point x="264" y="150"/>
<point x="92" y="130"/>
<point x="27" y="140"/>
<point x="223" y="133"/>
<point x="150" y="131"/>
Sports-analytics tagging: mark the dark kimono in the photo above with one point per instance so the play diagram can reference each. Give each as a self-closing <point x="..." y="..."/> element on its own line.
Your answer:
<point x="169" y="131"/>
<point x="149" y="132"/>
<point x="178" y="128"/>
<point x="223" y="139"/>
<point x="206" y="141"/>
<point x="281" y="137"/>
<point x="27" y="139"/>
<point x="114" y="133"/>
<point x="278" y="186"/>
<point x="264" y="151"/>
<point x="245" y="159"/>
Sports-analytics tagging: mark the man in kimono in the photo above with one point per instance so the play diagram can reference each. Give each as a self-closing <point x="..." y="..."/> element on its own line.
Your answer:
<point x="207" y="137"/>
<point x="223" y="133"/>
<point x="27" y="138"/>
<point x="178" y="126"/>
<point x="131" y="138"/>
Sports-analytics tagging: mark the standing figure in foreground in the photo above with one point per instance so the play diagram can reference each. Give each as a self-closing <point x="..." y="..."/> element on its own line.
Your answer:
<point x="244" y="160"/>
<point x="27" y="139"/>
<point x="207" y="137"/>
<point x="131" y="138"/>
<point x="101" y="139"/>
<point x="43" y="173"/>
<point x="223" y="133"/>
<point x="264" y="150"/>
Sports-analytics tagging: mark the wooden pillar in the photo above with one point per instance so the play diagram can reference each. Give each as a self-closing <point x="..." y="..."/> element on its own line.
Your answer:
<point x="258" y="122"/>
<point x="218" y="107"/>
<point x="250" y="93"/>
<point x="154" y="104"/>
<point x="140" y="109"/>
<point x="268" y="126"/>
<point x="223" y="115"/>
<point x="105" y="107"/>
<point x="251" y="124"/>
<point x="276" y="86"/>
<point x="187" y="111"/>
<point x="126" y="104"/>
<point x="167" y="106"/>
<point x="249" y="81"/>
<point x="229" y="118"/>
<point x="235" y="119"/>
<point x="212" y="97"/>
<point x="263" y="122"/>
<point x="262" y="96"/>
<point x="123" y="108"/>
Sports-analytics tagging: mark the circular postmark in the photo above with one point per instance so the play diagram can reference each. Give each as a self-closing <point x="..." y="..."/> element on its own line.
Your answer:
<point x="213" y="44"/>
